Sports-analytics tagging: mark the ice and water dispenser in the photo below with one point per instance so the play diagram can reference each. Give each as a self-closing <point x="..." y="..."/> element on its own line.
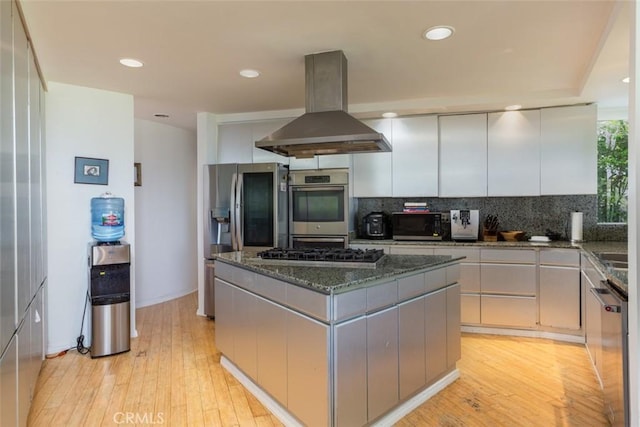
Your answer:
<point x="110" y="281"/>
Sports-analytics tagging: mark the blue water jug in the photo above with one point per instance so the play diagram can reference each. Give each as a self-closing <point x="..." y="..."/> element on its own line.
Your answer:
<point x="107" y="218"/>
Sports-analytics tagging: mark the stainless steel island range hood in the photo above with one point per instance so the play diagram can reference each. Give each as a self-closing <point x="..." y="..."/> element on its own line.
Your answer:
<point x="325" y="127"/>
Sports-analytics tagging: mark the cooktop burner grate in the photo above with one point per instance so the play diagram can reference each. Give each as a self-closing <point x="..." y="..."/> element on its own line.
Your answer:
<point x="323" y="254"/>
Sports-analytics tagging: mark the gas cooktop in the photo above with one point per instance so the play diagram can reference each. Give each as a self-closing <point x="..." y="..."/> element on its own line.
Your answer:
<point x="338" y="257"/>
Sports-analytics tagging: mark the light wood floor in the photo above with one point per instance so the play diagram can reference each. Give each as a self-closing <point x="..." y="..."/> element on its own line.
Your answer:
<point x="172" y="376"/>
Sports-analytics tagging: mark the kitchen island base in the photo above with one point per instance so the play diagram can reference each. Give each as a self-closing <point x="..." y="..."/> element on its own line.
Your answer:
<point x="392" y="417"/>
<point x="340" y="346"/>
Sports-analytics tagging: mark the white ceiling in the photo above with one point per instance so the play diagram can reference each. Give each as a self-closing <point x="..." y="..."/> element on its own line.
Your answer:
<point x="535" y="53"/>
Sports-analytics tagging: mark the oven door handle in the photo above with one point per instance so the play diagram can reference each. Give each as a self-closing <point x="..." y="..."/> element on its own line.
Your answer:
<point x="316" y="188"/>
<point x="319" y="239"/>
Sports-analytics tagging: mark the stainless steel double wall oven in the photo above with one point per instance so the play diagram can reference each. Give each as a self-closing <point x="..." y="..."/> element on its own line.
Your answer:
<point x="319" y="208"/>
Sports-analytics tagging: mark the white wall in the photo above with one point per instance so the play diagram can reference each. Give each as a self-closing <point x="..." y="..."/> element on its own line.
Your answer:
<point x="166" y="257"/>
<point x="82" y="122"/>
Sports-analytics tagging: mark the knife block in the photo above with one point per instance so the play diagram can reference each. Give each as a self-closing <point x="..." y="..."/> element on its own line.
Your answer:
<point x="489" y="235"/>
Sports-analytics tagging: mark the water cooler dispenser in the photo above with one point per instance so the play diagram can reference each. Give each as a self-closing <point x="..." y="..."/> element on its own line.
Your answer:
<point x="110" y="295"/>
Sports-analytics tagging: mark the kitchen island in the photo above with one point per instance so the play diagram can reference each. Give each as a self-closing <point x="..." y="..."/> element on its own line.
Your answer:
<point x="339" y="346"/>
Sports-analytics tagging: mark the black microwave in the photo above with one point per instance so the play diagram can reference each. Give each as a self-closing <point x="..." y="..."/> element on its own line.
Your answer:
<point x="417" y="226"/>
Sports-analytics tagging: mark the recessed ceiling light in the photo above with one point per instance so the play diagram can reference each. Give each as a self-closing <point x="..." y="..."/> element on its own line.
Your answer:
<point x="130" y="62"/>
<point x="625" y="80"/>
<point x="439" y="32"/>
<point x="161" y="116"/>
<point x="389" y="115"/>
<point x="250" y="74"/>
<point x="513" y="107"/>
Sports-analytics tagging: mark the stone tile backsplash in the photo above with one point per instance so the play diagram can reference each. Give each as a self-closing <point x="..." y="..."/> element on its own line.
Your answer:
<point x="534" y="215"/>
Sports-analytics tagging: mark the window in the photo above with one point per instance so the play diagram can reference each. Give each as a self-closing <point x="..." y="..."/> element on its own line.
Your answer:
<point x="613" y="178"/>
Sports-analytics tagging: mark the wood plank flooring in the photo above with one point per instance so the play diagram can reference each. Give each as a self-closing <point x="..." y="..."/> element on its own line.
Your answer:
<point x="172" y="376"/>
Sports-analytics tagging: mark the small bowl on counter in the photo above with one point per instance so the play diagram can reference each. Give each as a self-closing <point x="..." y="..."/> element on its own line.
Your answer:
<point x="512" y="235"/>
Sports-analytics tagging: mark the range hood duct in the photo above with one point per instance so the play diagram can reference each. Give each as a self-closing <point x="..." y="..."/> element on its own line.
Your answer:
<point x="325" y="127"/>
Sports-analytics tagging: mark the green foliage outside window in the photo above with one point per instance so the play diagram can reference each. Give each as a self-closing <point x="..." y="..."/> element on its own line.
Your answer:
<point x="613" y="177"/>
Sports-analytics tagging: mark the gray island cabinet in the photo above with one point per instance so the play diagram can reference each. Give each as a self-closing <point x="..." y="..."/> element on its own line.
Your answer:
<point x="339" y="346"/>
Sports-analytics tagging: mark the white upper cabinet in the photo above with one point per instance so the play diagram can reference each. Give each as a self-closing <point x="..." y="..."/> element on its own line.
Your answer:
<point x="235" y="143"/>
<point x="258" y="131"/>
<point x="463" y="155"/>
<point x="514" y="153"/>
<point x="569" y="152"/>
<point x="415" y="157"/>
<point x="372" y="172"/>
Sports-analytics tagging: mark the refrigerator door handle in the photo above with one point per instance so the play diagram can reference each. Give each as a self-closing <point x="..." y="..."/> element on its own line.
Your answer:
<point x="239" y="236"/>
<point x="232" y="214"/>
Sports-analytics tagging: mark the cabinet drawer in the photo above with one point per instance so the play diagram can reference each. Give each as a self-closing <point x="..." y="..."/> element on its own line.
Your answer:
<point x="508" y="311"/>
<point x="567" y="257"/>
<point x="510" y="279"/>
<point x="511" y="256"/>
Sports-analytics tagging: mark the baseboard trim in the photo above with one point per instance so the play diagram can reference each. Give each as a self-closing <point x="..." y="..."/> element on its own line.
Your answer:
<point x="289" y="420"/>
<point x="577" y="339"/>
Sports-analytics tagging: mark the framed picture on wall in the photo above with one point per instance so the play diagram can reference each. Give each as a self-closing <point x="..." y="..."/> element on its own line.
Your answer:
<point x="91" y="171"/>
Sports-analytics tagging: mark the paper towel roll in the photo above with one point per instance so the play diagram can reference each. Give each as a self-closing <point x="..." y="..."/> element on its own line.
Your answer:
<point x="576" y="226"/>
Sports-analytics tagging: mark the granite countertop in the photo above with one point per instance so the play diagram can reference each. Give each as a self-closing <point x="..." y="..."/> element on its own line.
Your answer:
<point x="479" y="243"/>
<point x="618" y="277"/>
<point x="332" y="279"/>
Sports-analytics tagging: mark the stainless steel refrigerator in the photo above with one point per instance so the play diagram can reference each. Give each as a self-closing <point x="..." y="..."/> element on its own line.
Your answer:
<point x="245" y="205"/>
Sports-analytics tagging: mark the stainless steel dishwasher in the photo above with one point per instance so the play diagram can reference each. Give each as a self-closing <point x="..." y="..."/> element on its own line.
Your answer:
<point x="615" y="353"/>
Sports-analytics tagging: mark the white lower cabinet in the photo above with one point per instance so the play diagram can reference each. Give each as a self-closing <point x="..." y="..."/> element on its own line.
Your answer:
<point x="350" y="373"/>
<point x="454" y="349"/>
<point x="412" y="349"/>
<point x="560" y="297"/>
<point x="245" y="339"/>
<point x="382" y="362"/>
<point x="436" y="333"/>
<point x="271" y="334"/>
<point x="307" y="369"/>
<point x="225" y="319"/>
<point x="560" y="305"/>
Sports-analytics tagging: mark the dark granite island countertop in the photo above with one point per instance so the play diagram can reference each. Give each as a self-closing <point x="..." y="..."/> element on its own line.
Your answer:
<point x="334" y="279"/>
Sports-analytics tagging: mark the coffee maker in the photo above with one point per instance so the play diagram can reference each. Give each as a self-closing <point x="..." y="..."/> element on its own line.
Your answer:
<point x="375" y="225"/>
<point x="465" y="224"/>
